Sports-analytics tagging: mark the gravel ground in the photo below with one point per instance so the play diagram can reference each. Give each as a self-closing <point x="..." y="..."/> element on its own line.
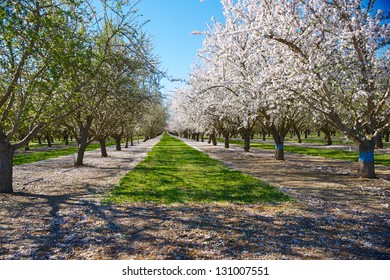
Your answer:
<point x="56" y="213"/>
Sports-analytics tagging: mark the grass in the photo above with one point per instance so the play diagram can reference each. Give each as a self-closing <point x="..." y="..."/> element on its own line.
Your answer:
<point x="173" y="172"/>
<point x="380" y="159"/>
<point x="34" y="156"/>
<point x="38" y="156"/>
<point x="337" y="139"/>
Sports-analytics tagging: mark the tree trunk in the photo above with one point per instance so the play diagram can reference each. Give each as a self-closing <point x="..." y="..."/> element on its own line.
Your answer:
<point x="103" y="148"/>
<point x="387" y="135"/>
<point x="202" y="137"/>
<point x="82" y="144"/>
<point x="226" y="140"/>
<point x="214" y="138"/>
<point x="131" y="141"/>
<point x="279" y="151"/>
<point x="127" y="142"/>
<point x="299" y="137"/>
<point x="246" y="135"/>
<point x="48" y="139"/>
<point x="366" y="166"/>
<point x="80" y="155"/>
<point x="39" y="140"/>
<point x="379" y="141"/>
<point x="328" y="137"/>
<point x="6" y="156"/>
<point x="279" y="144"/>
<point x="298" y="133"/>
<point x="118" y="143"/>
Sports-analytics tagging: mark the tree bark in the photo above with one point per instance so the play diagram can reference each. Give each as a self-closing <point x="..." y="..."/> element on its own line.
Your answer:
<point x="298" y="133"/>
<point x="279" y="144"/>
<point x="299" y="137"/>
<point x="366" y="166"/>
<point x="6" y="156"/>
<point x="127" y="142"/>
<point x="279" y="151"/>
<point x="103" y="148"/>
<point x="48" y="139"/>
<point x="226" y="140"/>
<point x="387" y="135"/>
<point x="328" y="137"/>
<point x="82" y="144"/>
<point x="214" y="138"/>
<point x="118" y="143"/>
<point x="379" y="141"/>
<point x="246" y="135"/>
<point x="131" y="141"/>
<point x="80" y="154"/>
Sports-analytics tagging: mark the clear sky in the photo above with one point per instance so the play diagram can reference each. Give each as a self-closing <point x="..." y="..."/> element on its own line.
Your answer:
<point x="171" y="24"/>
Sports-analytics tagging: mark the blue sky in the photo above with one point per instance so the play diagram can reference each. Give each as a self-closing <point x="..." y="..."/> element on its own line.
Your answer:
<point x="171" y="24"/>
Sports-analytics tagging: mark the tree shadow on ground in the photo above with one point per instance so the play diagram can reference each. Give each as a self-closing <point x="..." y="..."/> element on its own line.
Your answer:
<point x="76" y="227"/>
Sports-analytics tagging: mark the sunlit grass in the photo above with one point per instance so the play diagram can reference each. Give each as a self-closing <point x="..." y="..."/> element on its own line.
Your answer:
<point x="35" y="156"/>
<point x="381" y="159"/>
<point x="173" y="172"/>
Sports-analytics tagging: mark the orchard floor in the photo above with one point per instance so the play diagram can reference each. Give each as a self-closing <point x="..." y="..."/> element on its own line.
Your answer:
<point x="56" y="212"/>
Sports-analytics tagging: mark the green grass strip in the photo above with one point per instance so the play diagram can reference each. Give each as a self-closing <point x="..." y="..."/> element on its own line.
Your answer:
<point x="173" y="172"/>
<point x="38" y="156"/>
<point x="380" y="159"/>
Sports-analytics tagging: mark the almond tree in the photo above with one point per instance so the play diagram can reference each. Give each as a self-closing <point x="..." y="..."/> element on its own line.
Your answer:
<point x="121" y="55"/>
<point x="241" y="69"/>
<point x="40" y="41"/>
<point x="337" y="53"/>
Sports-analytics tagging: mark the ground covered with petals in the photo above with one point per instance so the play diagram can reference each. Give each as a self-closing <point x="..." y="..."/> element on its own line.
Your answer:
<point x="57" y="212"/>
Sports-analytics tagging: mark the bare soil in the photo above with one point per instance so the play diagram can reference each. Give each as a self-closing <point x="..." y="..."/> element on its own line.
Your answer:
<point x="56" y="212"/>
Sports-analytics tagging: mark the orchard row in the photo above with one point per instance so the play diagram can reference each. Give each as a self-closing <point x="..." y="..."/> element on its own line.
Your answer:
<point x="277" y="66"/>
<point x="71" y="68"/>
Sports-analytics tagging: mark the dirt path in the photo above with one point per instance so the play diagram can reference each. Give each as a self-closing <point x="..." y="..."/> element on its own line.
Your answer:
<point x="56" y="214"/>
<point x="328" y="180"/>
<point x="52" y="198"/>
<point x="339" y="206"/>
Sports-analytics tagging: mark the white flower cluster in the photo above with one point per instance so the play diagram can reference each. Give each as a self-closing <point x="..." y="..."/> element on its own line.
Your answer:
<point x="278" y="62"/>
